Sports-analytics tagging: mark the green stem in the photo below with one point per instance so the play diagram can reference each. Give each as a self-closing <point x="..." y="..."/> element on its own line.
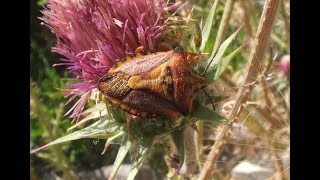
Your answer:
<point x="224" y="23"/>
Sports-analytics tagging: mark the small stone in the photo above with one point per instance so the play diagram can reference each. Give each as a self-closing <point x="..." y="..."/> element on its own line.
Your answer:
<point x="103" y="173"/>
<point x="249" y="171"/>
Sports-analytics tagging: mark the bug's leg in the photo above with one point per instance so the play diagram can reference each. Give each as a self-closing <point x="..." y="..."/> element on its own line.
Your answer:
<point x="193" y="58"/>
<point x="211" y="101"/>
<point x="188" y="57"/>
<point x="109" y="115"/>
<point x="139" y="49"/>
<point x="135" y="118"/>
<point x="128" y="124"/>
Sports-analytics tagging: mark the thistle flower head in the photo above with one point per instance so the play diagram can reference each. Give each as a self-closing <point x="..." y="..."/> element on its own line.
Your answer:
<point x="92" y="35"/>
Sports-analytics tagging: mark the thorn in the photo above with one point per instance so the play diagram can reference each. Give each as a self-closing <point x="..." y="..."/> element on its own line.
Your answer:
<point x="105" y="148"/>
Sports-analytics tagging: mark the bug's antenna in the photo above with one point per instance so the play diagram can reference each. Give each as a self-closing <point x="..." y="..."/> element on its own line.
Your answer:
<point x="205" y="92"/>
<point x="214" y="55"/>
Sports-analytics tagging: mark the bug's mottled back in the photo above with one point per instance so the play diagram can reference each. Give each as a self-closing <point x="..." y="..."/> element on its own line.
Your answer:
<point x="161" y="83"/>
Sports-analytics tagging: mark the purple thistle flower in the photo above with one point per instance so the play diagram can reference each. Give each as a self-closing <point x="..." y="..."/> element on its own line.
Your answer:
<point x="284" y="65"/>
<point x="94" y="34"/>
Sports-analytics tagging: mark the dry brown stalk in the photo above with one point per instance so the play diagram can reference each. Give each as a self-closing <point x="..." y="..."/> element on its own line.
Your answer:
<point x="220" y="36"/>
<point x="251" y="74"/>
<point x="278" y="175"/>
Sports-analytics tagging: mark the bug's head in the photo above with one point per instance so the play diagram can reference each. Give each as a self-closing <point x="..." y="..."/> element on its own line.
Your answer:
<point x="107" y="77"/>
<point x="114" y="84"/>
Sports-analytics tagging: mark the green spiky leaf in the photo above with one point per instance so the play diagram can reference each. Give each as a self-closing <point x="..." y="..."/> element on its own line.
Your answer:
<point x="207" y="27"/>
<point x="203" y="113"/>
<point x="215" y="59"/>
<point x="140" y="157"/>
<point x="112" y="139"/>
<point x="221" y="67"/>
<point x="96" y="130"/>
<point x="124" y="149"/>
<point x="97" y="111"/>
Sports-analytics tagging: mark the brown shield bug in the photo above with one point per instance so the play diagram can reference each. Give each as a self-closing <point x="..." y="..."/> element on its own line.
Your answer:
<point x="157" y="84"/>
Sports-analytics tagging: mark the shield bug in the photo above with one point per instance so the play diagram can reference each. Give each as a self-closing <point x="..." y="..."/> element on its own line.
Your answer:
<point x="157" y="84"/>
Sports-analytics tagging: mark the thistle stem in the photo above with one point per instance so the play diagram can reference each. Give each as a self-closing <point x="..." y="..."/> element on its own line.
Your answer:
<point x="189" y="164"/>
<point x="198" y="140"/>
